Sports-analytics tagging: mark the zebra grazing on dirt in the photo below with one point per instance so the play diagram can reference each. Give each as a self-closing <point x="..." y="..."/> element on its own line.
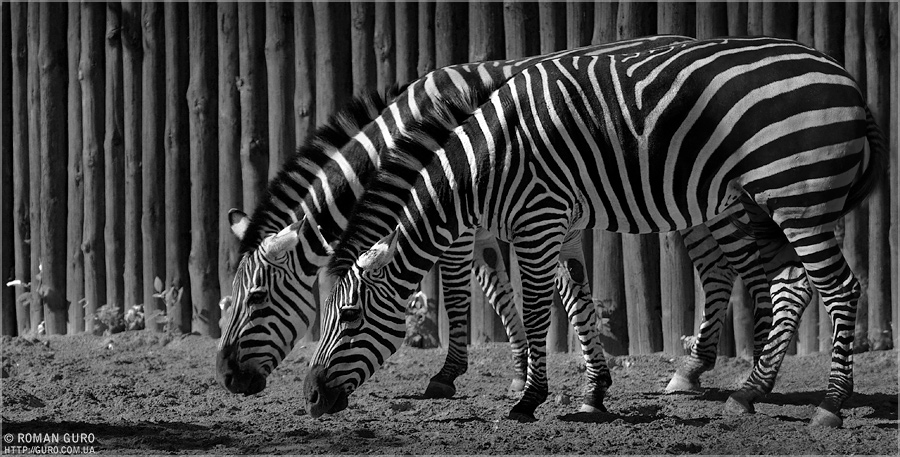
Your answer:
<point x="758" y="126"/>
<point x="284" y="245"/>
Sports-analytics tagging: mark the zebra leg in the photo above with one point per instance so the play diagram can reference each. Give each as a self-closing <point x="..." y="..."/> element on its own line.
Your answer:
<point x="537" y="261"/>
<point x="571" y="281"/>
<point x="490" y="272"/>
<point x="791" y="294"/>
<point x="717" y="277"/>
<point x="455" y="267"/>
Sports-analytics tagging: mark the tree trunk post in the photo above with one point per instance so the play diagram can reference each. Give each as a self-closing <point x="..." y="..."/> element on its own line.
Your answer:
<point x="7" y="266"/>
<point x="114" y="161"/>
<point x="738" y="13"/>
<point x="451" y="36"/>
<point x="54" y="158"/>
<point x="75" y="204"/>
<point x="362" y="49"/>
<point x="34" y="162"/>
<point x="383" y="42"/>
<point x="132" y="55"/>
<point x="755" y="13"/>
<point x="252" y="89"/>
<point x="152" y="161"/>
<point x="19" y="116"/>
<point x="90" y="70"/>
<point x="856" y="222"/>
<point x="878" y="48"/>
<point x="229" y="141"/>
<point x="177" y="173"/>
<point x="779" y="19"/>
<point x="304" y="74"/>
<point x="605" y="16"/>
<point x="277" y="51"/>
<point x="406" y="41"/>
<point x="712" y="19"/>
<point x="806" y="19"/>
<point x="426" y="38"/>
<point x="895" y="192"/>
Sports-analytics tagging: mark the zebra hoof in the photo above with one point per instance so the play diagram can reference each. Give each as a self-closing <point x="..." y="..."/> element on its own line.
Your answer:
<point x="437" y="389"/>
<point x="521" y="417"/>
<point x="826" y="418"/>
<point x="590" y="409"/>
<point x="682" y="384"/>
<point x="517" y="385"/>
<point x="737" y="404"/>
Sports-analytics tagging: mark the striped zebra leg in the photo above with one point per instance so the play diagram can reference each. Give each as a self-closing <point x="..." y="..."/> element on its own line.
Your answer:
<point x="571" y="281"/>
<point x="538" y="258"/>
<point x="490" y="272"/>
<point x="455" y="267"/>
<point x="791" y="294"/>
<point x="717" y="277"/>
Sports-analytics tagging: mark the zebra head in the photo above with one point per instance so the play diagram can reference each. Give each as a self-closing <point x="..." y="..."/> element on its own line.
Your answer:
<point x="363" y="323"/>
<point x="273" y="305"/>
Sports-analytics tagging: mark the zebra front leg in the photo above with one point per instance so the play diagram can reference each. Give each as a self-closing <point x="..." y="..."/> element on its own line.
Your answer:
<point x="537" y="263"/>
<point x="717" y="277"/>
<point x="571" y="281"/>
<point x="490" y="272"/>
<point x="791" y="294"/>
<point x="455" y="268"/>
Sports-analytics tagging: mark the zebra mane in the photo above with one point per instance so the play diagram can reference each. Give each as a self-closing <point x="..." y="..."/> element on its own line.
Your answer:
<point x="377" y="212"/>
<point x="269" y="216"/>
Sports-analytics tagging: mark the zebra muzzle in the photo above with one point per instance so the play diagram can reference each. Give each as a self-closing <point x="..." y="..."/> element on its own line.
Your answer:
<point x="320" y="399"/>
<point x="232" y="377"/>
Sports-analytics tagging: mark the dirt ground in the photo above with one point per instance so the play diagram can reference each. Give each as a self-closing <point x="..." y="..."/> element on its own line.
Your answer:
<point x="138" y="392"/>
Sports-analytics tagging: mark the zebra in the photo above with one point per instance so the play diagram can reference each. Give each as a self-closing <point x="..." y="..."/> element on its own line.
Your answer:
<point x="764" y="128"/>
<point x="284" y="245"/>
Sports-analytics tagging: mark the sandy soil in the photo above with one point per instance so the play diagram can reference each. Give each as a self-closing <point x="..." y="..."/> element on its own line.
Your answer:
<point x="138" y="392"/>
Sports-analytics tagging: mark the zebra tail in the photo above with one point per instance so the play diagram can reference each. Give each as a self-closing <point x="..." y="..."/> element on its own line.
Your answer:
<point x="859" y="189"/>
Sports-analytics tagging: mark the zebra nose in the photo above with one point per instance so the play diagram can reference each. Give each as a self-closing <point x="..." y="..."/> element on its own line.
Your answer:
<point x="319" y="398"/>
<point x="230" y="375"/>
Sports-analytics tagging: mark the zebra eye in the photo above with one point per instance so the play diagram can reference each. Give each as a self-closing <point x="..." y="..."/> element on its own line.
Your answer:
<point x="349" y="315"/>
<point x="256" y="297"/>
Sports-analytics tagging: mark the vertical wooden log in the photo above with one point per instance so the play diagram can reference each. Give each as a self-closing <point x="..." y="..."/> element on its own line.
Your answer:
<point x="856" y="223"/>
<point x="52" y="63"/>
<point x="579" y="21"/>
<point x="383" y="42"/>
<point x="755" y="18"/>
<point x="90" y="67"/>
<point x="676" y="18"/>
<point x="486" y="39"/>
<point x="202" y="108"/>
<point x="34" y="162"/>
<point x="829" y="20"/>
<point x="114" y="160"/>
<point x="362" y="20"/>
<point x="21" y="198"/>
<point x="894" y="178"/>
<point x="152" y="163"/>
<point x="132" y="54"/>
<point x="712" y="19"/>
<point x="304" y="75"/>
<point x="75" y="204"/>
<point x="779" y="19"/>
<point x="7" y="266"/>
<point x="177" y="172"/>
<point x="426" y="38"/>
<point x="605" y="17"/>
<point x="451" y="36"/>
<point x="806" y="18"/>
<point x="738" y="18"/>
<point x="281" y="133"/>
<point x="552" y="26"/>
<point x="252" y="89"/>
<point x="517" y="17"/>
<point x="878" y="46"/>
<point x="677" y="271"/>
<point x="406" y="40"/>
<point x="641" y="253"/>
<point x="229" y="141"/>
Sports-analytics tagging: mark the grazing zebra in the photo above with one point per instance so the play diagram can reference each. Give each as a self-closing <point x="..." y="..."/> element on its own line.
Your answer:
<point x="284" y="244"/>
<point x="763" y="127"/>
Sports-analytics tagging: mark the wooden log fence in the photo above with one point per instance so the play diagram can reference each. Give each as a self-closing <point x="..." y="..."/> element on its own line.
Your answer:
<point x="109" y="127"/>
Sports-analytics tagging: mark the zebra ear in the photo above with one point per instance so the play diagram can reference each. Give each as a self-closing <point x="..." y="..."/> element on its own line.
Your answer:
<point x="285" y="240"/>
<point x="381" y="253"/>
<point x="239" y="222"/>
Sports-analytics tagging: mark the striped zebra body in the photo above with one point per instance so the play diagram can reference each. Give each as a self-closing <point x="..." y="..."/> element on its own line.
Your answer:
<point x="629" y="143"/>
<point x="285" y="243"/>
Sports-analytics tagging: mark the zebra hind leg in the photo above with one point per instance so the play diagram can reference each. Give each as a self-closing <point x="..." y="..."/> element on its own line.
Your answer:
<point x="571" y="281"/>
<point x="717" y="277"/>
